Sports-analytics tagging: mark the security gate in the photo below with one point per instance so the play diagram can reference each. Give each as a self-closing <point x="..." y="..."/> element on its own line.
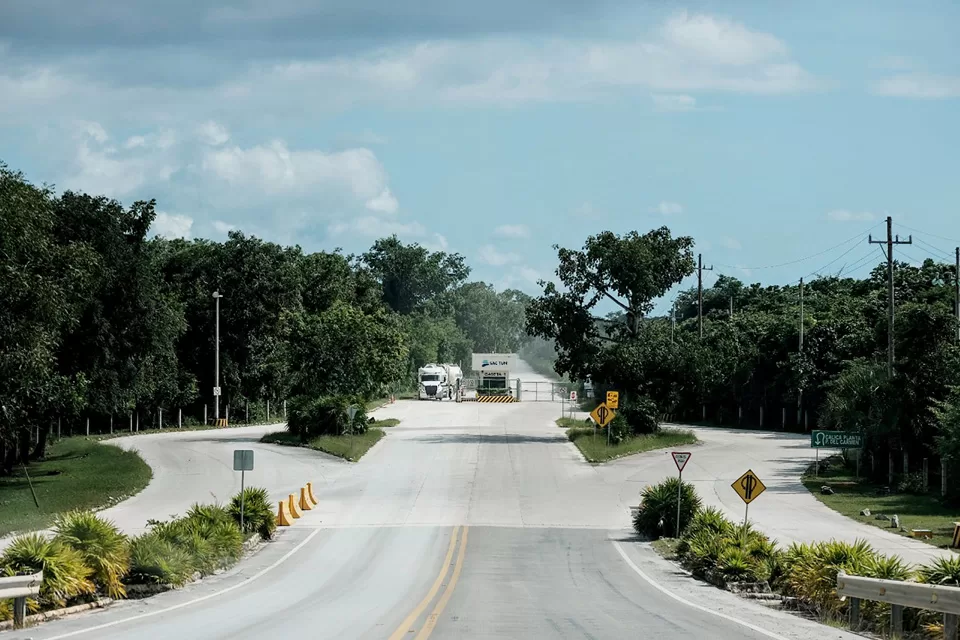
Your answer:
<point x="542" y="391"/>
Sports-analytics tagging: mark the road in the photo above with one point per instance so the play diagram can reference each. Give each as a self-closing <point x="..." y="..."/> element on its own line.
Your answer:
<point x="467" y="521"/>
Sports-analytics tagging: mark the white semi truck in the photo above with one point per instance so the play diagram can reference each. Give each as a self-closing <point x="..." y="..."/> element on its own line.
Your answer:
<point x="439" y="381"/>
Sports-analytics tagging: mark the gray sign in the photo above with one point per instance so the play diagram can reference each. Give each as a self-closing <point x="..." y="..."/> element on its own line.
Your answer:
<point x="243" y="460"/>
<point x="835" y="440"/>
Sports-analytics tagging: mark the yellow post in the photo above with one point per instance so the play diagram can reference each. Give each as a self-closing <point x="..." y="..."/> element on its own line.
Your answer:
<point x="292" y="507"/>
<point x="310" y="495"/>
<point x="282" y="519"/>
<point x="305" y="504"/>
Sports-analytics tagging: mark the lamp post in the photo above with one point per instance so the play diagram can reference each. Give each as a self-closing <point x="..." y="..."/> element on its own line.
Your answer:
<point x="216" y="390"/>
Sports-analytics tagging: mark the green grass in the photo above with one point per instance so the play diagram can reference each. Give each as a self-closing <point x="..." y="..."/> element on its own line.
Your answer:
<point x="78" y="473"/>
<point x="347" y="447"/>
<point x="595" y="449"/>
<point x="916" y="511"/>
<point x="386" y="422"/>
<point x="572" y="423"/>
<point x="666" y="547"/>
<point x="168" y="429"/>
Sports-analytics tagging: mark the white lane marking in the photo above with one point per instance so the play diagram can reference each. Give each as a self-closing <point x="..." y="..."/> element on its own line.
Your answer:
<point x="195" y="600"/>
<point x="665" y="591"/>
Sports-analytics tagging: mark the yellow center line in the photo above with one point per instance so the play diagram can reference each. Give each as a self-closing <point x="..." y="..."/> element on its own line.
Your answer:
<point x="404" y="627"/>
<point x="447" y="594"/>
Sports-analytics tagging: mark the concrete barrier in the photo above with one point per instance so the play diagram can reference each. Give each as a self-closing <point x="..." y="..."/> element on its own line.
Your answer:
<point x="310" y="495"/>
<point x="305" y="504"/>
<point x="292" y="506"/>
<point x="283" y="518"/>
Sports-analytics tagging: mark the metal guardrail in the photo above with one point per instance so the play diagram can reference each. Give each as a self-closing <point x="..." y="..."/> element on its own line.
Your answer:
<point x="19" y="588"/>
<point x="945" y="600"/>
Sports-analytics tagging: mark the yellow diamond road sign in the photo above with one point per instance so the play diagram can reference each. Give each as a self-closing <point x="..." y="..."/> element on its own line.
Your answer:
<point x="748" y="487"/>
<point x="602" y="415"/>
<point x="613" y="399"/>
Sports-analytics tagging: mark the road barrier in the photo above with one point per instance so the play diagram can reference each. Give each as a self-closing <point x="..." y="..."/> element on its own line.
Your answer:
<point x="19" y="588"/>
<point x="496" y="399"/>
<point x="292" y="506"/>
<point x="283" y="518"/>
<point x="310" y="495"/>
<point x="945" y="600"/>
<point x="290" y="509"/>
<point x="305" y="504"/>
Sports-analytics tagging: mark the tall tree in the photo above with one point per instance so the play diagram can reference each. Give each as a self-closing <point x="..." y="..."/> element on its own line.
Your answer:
<point x="411" y="275"/>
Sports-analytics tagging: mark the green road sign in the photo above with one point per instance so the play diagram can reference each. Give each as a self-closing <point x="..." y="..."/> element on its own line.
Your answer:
<point x="835" y="440"/>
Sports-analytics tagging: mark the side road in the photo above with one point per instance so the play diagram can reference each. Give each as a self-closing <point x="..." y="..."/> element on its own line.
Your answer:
<point x="785" y="511"/>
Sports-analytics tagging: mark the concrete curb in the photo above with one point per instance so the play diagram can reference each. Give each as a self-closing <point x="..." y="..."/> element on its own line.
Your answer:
<point x="44" y="616"/>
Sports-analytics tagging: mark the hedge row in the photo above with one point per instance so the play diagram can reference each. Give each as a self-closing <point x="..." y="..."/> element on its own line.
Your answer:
<point x="721" y="551"/>
<point x="88" y="557"/>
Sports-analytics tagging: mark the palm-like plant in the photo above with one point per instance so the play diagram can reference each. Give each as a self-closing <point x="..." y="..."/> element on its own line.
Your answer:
<point x="155" y="559"/>
<point x="658" y="508"/>
<point x="65" y="574"/>
<point x="258" y="515"/>
<point x="943" y="570"/>
<point x="103" y="548"/>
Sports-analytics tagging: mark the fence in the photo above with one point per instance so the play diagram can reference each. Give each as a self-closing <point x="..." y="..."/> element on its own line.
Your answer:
<point x="246" y="413"/>
<point x="18" y="588"/>
<point x="945" y="600"/>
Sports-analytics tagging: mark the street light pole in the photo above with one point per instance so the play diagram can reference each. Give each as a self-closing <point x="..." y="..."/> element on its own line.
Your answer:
<point x="216" y="391"/>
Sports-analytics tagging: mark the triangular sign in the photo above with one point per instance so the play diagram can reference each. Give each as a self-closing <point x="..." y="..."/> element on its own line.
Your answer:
<point x="680" y="458"/>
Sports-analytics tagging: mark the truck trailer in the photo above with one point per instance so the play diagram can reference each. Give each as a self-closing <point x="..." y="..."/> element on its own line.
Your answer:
<point x="439" y="381"/>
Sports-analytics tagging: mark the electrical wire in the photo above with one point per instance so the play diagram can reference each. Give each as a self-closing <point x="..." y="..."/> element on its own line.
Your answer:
<point x="815" y="255"/>
<point x="940" y="251"/>
<point x="927" y="233"/>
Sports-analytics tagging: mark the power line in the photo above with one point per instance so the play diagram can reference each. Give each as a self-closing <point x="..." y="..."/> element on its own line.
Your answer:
<point x="927" y="233"/>
<point x="940" y="251"/>
<point x="815" y="255"/>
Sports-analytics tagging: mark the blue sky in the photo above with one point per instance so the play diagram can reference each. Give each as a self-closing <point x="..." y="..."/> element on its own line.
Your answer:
<point x="769" y="132"/>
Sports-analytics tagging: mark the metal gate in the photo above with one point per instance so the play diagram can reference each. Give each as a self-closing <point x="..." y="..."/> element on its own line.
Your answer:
<point x="542" y="391"/>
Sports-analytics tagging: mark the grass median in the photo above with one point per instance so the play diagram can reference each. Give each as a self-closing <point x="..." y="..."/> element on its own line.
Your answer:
<point x="348" y="447"/>
<point x="594" y="447"/>
<point x="915" y="510"/>
<point x="78" y="473"/>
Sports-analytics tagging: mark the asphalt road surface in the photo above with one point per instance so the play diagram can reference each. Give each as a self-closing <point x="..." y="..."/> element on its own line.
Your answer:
<point x="467" y="521"/>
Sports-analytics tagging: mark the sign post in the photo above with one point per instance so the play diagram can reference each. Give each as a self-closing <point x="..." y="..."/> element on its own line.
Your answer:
<point x="680" y="458"/>
<point x="613" y="399"/>
<point x="602" y="416"/>
<point x="835" y="440"/>
<point x="748" y="487"/>
<point x="242" y="462"/>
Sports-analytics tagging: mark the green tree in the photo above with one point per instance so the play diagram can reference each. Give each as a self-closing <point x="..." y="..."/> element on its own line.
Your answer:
<point x="410" y="275"/>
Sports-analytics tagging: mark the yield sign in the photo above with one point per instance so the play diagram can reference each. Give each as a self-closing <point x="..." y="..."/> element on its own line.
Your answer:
<point x="680" y="458"/>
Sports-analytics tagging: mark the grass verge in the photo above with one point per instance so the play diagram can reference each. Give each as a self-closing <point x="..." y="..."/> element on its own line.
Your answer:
<point x="924" y="511"/>
<point x="386" y="422"/>
<point x="78" y="473"/>
<point x="347" y="447"/>
<point x="173" y="429"/>
<point x="666" y="547"/>
<point x="594" y="447"/>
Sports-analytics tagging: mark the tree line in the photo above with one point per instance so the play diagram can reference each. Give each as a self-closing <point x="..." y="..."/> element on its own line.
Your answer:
<point x="100" y="319"/>
<point x="749" y="366"/>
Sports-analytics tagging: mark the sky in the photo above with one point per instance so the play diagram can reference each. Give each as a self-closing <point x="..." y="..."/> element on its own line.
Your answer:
<point x="777" y="135"/>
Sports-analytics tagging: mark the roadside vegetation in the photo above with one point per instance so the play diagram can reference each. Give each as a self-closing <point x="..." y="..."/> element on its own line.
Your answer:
<point x="77" y="473"/>
<point x="87" y="557"/>
<point x="746" y="367"/>
<point x="731" y="555"/>
<point x="349" y="447"/>
<point x="595" y="449"/>
<point x="915" y="506"/>
<point x="325" y="424"/>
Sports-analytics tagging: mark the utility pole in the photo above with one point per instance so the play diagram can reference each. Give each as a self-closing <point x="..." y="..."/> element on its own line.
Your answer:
<point x="731" y="307"/>
<point x="700" y="270"/>
<point x="956" y="290"/>
<point x="801" y="315"/>
<point x="800" y="390"/>
<point x="890" y="241"/>
<point x="216" y="391"/>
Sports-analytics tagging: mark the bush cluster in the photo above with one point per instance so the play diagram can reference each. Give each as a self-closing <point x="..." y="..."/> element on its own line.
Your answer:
<point x="721" y="551"/>
<point x="87" y="556"/>
<point x="310" y="417"/>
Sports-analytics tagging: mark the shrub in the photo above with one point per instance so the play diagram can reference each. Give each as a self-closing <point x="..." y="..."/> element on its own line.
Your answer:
<point x="620" y="429"/>
<point x="308" y="418"/>
<point x="103" y="548"/>
<point x="154" y="559"/>
<point x="208" y="534"/>
<point x="641" y="414"/>
<point x="710" y="519"/>
<point x="943" y="570"/>
<point x="812" y="571"/>
<point x="735" y="564"/>
<point x="65" y="574"/>
<point x="911" y="483"/>
<point x="258" y="515"/>
<point x="658" y="508"/>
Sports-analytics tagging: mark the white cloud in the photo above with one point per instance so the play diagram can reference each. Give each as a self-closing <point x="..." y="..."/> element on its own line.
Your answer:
<point x="438" y="243"/>
<point x="213" y="133"/>
<point x="223" y="227"/>
<point x="919" y="85"/>
<point x="488" y="254"/>
<point x="843" y="215"/>
<point x="512" y="231"/>
<point x="374" y="227"/>
<point x="172" y="225"/>
<point x="667" y="208"/>
<point x="668" y="102"/>
<point x="720" y="41"/>
<point x="95" y="131"/>
<point x="383" y="203"/>
<point x="730" y="243"/>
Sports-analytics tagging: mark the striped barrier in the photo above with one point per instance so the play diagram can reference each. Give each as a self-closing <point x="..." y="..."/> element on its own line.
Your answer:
<point x="496" y="399"/>
<point x="221" y="422"/>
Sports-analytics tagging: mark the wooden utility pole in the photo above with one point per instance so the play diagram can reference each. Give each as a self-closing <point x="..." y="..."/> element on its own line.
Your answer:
<point x="890" y="241"/>
<point x="801" y="315"/>
<point x="673" y="320"/>
<point x="700" y="270"/>
<point x="731" y="306"/>
<point x="800" y="349"/>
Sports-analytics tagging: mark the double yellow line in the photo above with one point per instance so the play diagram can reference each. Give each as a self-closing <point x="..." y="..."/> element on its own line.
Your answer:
<point x="406" y="627"/>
